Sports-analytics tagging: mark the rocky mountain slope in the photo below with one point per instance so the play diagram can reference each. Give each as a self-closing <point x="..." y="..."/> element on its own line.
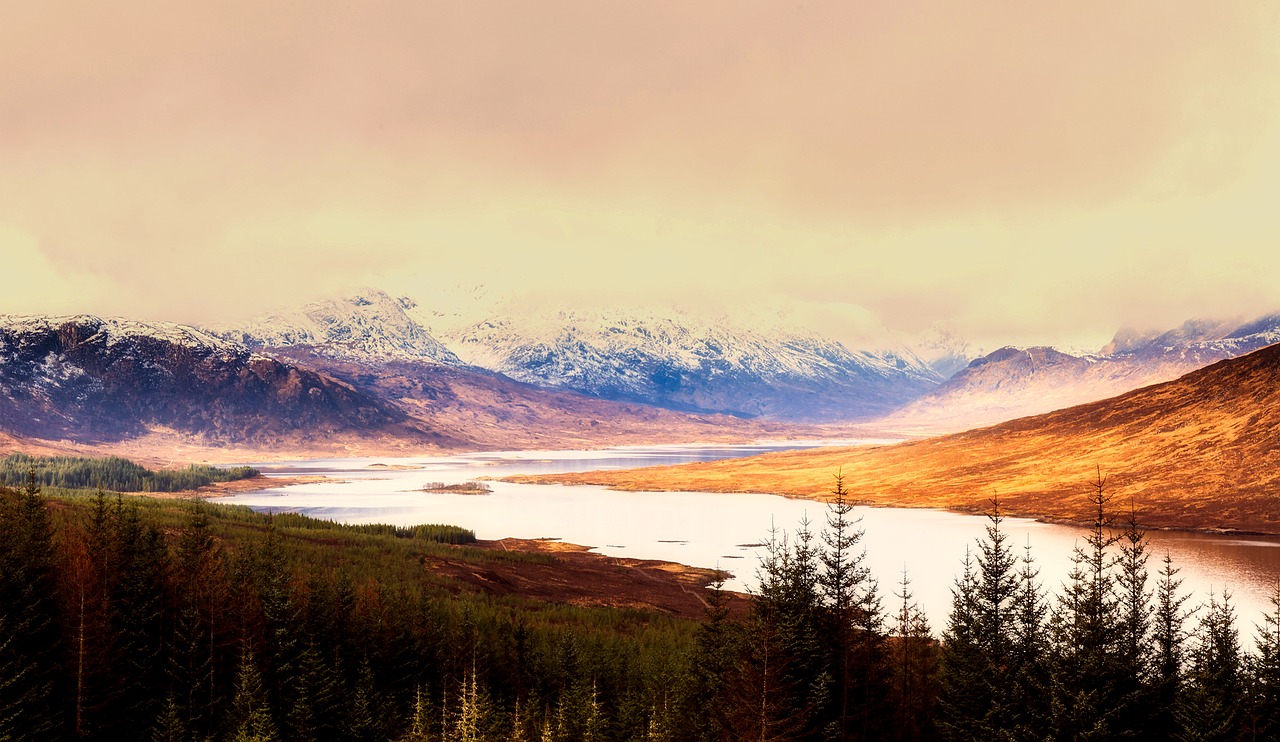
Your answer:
<point x="89" y="379"/>
<point x="1198" y="452"/>
<point x="1016" y="382"/>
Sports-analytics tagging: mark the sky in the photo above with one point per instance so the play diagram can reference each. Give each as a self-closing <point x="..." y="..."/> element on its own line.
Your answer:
<point x="1029" y="172"/>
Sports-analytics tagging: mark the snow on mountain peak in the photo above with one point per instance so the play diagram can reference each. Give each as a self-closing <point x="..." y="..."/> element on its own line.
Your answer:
<point x="370" y="325"/>
<point x="677" y="358"/>
<point x="113" y="330"/>
<point x="944" y="350"/>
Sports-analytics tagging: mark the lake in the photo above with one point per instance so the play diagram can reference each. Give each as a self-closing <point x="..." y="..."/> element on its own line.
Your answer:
<point x="726" y="530"/>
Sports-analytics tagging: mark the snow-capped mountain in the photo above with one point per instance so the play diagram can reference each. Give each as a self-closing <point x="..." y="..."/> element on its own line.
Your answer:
<point x="677" y="360"/>
<point x="91" y="379"/>
<point x="1016" y="382"/>
<point x="662" y="357"/>
<point x="370" y="326"/>
<point x="943" y="350"/>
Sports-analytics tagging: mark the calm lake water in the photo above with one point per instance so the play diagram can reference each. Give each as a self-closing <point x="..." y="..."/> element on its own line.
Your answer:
<point x="726" y="530"/>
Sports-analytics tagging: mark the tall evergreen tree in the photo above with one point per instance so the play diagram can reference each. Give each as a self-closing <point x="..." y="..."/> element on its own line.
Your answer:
<point x="981" y="637"/>
<point x="30" y="648"/>
<point x="853" y="618"/>
<point x="200" y="638"/>
<point x="251" y="710"/>
<point x="1208" y="708"/>
<point x="787" y="658"/>
<point x="1085" y="687"/>
<point x="915" y="669"/>
<point x="1264" y="675"/>
<point x="138" y="598"/>
<point x="1168" y="638"/>
<point x="964" y="702"/>
<point x="1025" y="705"/>
<point x="1133" y="649"/>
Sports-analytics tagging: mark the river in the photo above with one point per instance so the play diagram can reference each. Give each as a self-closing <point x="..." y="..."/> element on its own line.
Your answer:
<point x="726" y="530"/>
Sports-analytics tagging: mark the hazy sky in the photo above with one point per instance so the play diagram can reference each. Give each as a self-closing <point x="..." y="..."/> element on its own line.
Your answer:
<point x="1026" y="171"/>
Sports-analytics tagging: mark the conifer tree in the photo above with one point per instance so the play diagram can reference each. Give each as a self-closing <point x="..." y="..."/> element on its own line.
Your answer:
<point x="361" y="721"/>
<point x="915" y="669"/>
<point x="979" y="643"/>
<point x="269" y="581"/>
<point x="419" y="719"/>
<point x="314" y="705"/>
<point x="252" y="713"/>
<point x="1264" y="672"/>
<point x="1168" y="651"/>
<point x="169" y="726"/>
<point x="1028" y="675"/>
<point x="30" y="650"/>
<point x="964" y="703"/>
<point x="138" y="598"/>
<point x="1208" y="708"/>
<point x="1085" y="690"/>
<point x="1134" y="651"/>
<point x="854" y="624"/>
<point x="787" y="660"/>
<point x="716" y="651"/>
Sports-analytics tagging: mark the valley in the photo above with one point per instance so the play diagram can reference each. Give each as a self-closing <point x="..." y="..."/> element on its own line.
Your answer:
<point x="1197" y="453"/>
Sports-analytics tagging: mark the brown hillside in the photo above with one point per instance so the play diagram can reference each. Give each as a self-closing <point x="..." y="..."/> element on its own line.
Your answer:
<point x="1200" y="452"/>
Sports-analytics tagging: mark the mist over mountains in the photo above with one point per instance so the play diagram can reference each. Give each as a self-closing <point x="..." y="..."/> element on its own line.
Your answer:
<point x="670" y="359"/>
<point x="371" y="364"/>
<point x="1014" y="382"/>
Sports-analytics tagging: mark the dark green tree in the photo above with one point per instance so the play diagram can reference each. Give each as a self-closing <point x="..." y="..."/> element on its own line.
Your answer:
<point x="915" y="669"/>
<point x="200" y="595"/>
<point x="1168" y="657"/>
<point x="978" y="646"/>
<point x="31" y="696"/>
<point x="1135" y="684"/>
<point x="857" y="668"/>
<point x="1264" y="676"/>
<point x="1024" y="705"/>
<point x="963" y="702"/>
<point x="1085" y="678"/>
<point x="250" y="709"/>
<point x="1208" y="708"/>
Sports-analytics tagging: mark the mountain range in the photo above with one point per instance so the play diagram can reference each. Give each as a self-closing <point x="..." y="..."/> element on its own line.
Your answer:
<point x="1016" y="382"/>
<point x="372" y="372"/>
<point x="90" y="381"/>
<point x="669" y="359"/>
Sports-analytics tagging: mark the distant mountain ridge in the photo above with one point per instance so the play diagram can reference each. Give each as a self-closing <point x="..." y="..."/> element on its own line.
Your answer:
<point x="682" y="362"/>
<point x="370" y="326"/>
<point x="1014" y="382"/>
<point x="91" y="379"/>
<point x="667" y="359"/>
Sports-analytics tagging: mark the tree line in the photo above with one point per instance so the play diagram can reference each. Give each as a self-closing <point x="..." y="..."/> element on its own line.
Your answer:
<point x="112" y="473"/>
<point x="126" y="618"/>
<point x="1114" y="654"/>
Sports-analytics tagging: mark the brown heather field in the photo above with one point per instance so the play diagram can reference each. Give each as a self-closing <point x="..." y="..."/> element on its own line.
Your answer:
<point x="1201" y="452"/>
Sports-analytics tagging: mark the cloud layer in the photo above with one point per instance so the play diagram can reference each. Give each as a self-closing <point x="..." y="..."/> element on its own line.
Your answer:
<point x="1025" y="172"/>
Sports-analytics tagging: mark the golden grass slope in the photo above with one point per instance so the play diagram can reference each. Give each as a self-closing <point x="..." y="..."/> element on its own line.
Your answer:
<point x="1200" y="452"/>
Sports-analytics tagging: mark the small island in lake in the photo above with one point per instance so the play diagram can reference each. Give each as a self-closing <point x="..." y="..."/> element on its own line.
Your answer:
<point x="465" y="488"/>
